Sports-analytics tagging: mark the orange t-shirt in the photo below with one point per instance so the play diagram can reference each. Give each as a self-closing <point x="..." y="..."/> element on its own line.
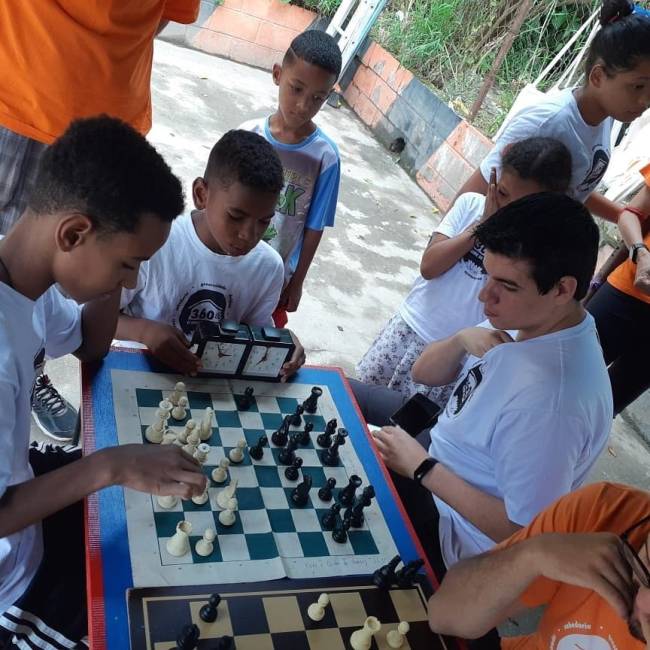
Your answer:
<point x="622" y="277"/>
<point x="576" y="617"/>
<point x="64" y="59"/>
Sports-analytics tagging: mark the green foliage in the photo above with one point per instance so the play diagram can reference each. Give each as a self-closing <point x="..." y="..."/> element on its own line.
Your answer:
<point x="322" y="7"/>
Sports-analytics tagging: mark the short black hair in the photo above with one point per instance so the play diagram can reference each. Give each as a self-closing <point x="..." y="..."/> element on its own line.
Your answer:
<point x="554" y="233"/>
<point x="318" y="48"/>
<point x="543" y="160"/>
<point x="104" y="169"/>
<point x="247" y="158"/>
<point x="622" y="41"/>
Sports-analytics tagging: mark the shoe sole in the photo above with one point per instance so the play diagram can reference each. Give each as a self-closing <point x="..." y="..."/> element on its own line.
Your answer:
<point x="48" y="433"/>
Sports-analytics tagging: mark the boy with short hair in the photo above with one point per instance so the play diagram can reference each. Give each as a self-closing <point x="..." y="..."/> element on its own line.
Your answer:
<point x="215" y="265"/>
<point x="312" y="167"/>
<point x="103" y="202"/>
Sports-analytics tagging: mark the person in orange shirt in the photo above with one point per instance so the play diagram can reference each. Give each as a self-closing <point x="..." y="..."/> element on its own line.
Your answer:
<point x="62" y="60"/>
<point x="621" y="306"/>
<point x="585" y="558"/>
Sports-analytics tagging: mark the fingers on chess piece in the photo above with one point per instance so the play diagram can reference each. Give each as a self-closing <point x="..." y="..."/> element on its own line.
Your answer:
<point x="189" y="637"/>
<point x="220" y="474"/>
<point x="236" y="454"/>
<point x="209" y="612"/>
<point x="340" y="532"/>
<point x="205" y="428"/>
<point x="316" y="611"/>
<point x="311" y="403"/>
<point x="177" y="393"/>
<point x="325" y="439"/>
<point x="228" y="517"/>
<point x="179" y="412"/>
<point x="256" y="452"/>
<point x="304" y="438"/>
<point x="246" y="400"/>
<point x="201" y="499"/>
<point x="330" y="518"/>
<point x="167" y="502"/>
<point x="405" y="577"/>
<point x="179" y="543"/>
<point x="325" y="493"/>
<point x="346" y="495"/>
<point x="300" y="494"/>
<point x="201" y="453"/>
<point x="384" y="576"/>
<point x="395" y="638"/>
<point x="296" y="418"/>
<point x="292" y="473"/>
<point x="362" y="639"/>
<point x="205" y="546"/>
<point x="331" y="454"/>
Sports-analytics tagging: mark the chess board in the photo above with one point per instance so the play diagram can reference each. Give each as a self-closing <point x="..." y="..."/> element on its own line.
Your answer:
<point x="273" y="615"/>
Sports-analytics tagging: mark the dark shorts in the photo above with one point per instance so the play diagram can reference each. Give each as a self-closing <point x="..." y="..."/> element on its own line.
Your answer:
<point x="52" y="612"/>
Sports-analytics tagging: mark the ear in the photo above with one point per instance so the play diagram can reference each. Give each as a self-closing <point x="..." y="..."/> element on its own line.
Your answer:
<point x="565" y="289"/>
<point x="277" y="73"/>
<point x="597" y="76"/>
<point x="72" y="231"/>
<point x="200" y="193"/>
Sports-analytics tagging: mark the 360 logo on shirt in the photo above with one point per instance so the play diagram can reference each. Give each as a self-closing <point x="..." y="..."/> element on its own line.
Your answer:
<point x="204" y="305"/>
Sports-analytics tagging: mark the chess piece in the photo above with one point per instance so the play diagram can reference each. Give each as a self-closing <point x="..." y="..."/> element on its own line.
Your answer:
<point x="205" y="428"/>
<point x="311" y="402"/>
<point x="164" y="407"/>
<point x="325" y="438"/>
<point x="300" y="494"/>
<point x="220" y="474"/>
<point x="205" y="545"/>
<point x="179" y="543"/>
<point x="154" y="432"/>
<point x="325" y="493"/>
<point x="176" y="394"/>
<point x="226" y="494"/>
<point x="340" y="532"/>
<point x="395" y="638"/>
<point x="384" y="576"/>
<point x="209" y="612"/>
<point x="280" y="437"/>
<point x="346" y="495"/>
<point x="292" y="473"/>
<point x="287" y="453"/>
<point x="362" y="639"/>
<point x="331" y="454"/>
<point x="405" y="577"/>
<point x="189" y="427"/>
<point x="236" y="454"/>
<point x="179" y="412"/>
<point x="256" y="452"/>
<point x="305" y="438"/>
<point x="296" y="418"/>
<point x="316" y="611"/>
<point x="356" y="512"/>
<point x="188" y="638"/>
<point x="201" y="453"/>
<point x="169" y="438"/>
<point x="244" y="402"/>
<point x="330" y="518"/>
<point x="201" y="499"/>
<point x="167" y="502"/>
<point x="227" y="517"/>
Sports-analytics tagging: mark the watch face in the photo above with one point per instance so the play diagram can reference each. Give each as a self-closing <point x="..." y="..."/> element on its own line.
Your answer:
<point x="219" y="356"/>
<point x="265" y="361"/>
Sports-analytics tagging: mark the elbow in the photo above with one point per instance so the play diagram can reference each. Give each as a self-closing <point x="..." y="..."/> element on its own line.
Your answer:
<point x="94" y="353"/>
<point x="456" y="626"/>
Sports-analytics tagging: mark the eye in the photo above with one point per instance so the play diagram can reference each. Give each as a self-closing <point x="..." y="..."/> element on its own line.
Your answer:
<point x="128" y="266"/>
<point x="233" y="217"/>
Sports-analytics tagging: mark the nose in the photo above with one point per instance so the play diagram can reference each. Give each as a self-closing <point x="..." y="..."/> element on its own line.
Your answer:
<point x="485" y="292"/>
<point x="247" y="232"/>
<point x="131" y="279"/>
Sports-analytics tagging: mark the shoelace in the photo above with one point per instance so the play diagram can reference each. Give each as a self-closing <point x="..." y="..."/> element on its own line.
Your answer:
<point x="48" y="396"/>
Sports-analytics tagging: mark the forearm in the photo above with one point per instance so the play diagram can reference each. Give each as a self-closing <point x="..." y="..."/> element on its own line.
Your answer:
<point x="130" y="328"/>
<point x="602" y="207"/>
<point x="310" y="243"/>
<point x="98" y="324"/>
<point x="475" y="183"/>
<point x="443" y="252"/>
<point x="440" y="362"/>
<point x="629" y="224"/>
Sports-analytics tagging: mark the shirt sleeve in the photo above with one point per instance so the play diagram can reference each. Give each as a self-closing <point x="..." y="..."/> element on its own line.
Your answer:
<point x="326" y="194"/>
<point x="63" y="333"/>
<point x="467" y="209"/>
<point x="8" y="399"/>
<point x="181" y="11"/>
<point x="260" y="311"/>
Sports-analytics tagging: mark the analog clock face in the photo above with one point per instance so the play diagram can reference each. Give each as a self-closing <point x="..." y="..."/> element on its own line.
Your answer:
<point x="222" y="357"/>
<point x="265" y="361"/>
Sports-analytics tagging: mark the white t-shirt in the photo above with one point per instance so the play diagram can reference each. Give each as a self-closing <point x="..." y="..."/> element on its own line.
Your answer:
<point x="438" y="308"/>
<point x="185" y="283"/>
<point x="558" y="117"/>
<point x="28" y="330"/>
<point x="525" y="424"/>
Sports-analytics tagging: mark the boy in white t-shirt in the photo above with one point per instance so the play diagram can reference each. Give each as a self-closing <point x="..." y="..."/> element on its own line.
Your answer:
<point x="214" y="265"/>
<point x="532" y="407"/>
<point x="103" y="201"/>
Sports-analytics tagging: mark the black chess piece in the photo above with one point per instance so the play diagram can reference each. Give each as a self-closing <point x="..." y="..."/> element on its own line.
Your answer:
<point x="356" y="511"/>
<point x="296" y="418"/>
<point x="340" y="532"/>
<point x="311" y="402"/>
<point x="280" y="437"/>
<point x="208" y="613"/>
<point x="244" y="402"/>
<point x="188" y="638"/>
<point x="325" y="438"/>
<point x="325" y="493"/>
<point x="331" y="454"/>
<point x="292" y="473"/>
<point x="300" y="494"/>
<point x="405" y="577"/>
<point x="256" y="452"/>
<point x="346" y="495"/>
<point x="384" y="577"/>
<point x="287" y="453"/>
<point x="368" y="493"/>
<point x="226" y="643"/>
<point x="304" y="438"/>
<point x="330" y="518"/>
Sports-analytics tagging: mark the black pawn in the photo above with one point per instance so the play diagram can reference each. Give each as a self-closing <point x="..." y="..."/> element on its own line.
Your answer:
<point x="280" y="437"/>
<point x="296" y="418"/>
<point x="287" y="453"/>
<point x="257" y="450"/>
<point x="325" y="493"/>
<point x="208" y="613"/>
<point x="346" y="495"/>
<point x="331" y="454"/>
<point x="188" y="638"/>
<point x="405" y="577"/>
<point x="300" y="494"/>
<point x="304" y="438"/>
<point x="384" y="577"/>
<point x="330" y="518"/>
<point x="245" y="401"/>
<point x="325" y="438"/>
<point x="226" y="643"/>
<point x="340" y="532"/>
<point x="311" y="402"/>
<point x="292" y="473"/>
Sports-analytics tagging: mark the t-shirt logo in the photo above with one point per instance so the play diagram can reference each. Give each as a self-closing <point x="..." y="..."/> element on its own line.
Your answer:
<point x="583" y="642"/>
<point x="598" y="168"/>
<point x="204" y="305"/>
<point x="465" y="388"/>
<point x="473" y="262"/>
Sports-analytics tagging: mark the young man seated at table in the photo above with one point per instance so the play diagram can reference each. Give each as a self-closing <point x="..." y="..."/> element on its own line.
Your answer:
<point x="532" y="407"/>
<point x="585" y="559"/>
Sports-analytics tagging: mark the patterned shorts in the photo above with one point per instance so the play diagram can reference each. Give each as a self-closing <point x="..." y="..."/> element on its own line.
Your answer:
<point x="19" y="158"/>
<point x="390" y="358"/>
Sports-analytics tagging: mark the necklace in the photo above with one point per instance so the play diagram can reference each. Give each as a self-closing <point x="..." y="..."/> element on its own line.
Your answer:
<point x="9" y="282"/>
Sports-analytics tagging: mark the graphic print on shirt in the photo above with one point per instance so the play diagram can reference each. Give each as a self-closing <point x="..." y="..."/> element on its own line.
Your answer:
<point x="599" y="163"/>
<point x="472" y="262"/>
<point x="465" y="388"/>
<point x="583" y="642"/>
<point x="203" y="305"/>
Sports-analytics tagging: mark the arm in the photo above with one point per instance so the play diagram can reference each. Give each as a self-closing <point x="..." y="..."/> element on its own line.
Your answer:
<point x="290" y="297"/>
<point x="602" y="207"/>
<point x="98" y="324"/>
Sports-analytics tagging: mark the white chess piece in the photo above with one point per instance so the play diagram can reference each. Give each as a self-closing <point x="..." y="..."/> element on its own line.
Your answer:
<point x="167" y="502"/>
<point x="220" y="474"/>
<point x="169" y="438"/>
<point x="155" y="432"/>
<point x="226" y="494"/>
<point x="362" y="639"/>
<point x="227" y="517"/>
<point x="179" y="543"/>
<point x="316" y="610"/>
<point x="202" y="498"/>
<point x="179" y="389"/>
<point x="164" y="407"/>
<point x="192" y="443"/>
<point x="236" y="454"/>
<point x="190" y="425"/>
<point x="395" y="638"/>
<point x="205" y="429"/>
<point x="205" y="545"/>
<point x="180" y="410"/>
<point x="201" y="453"/>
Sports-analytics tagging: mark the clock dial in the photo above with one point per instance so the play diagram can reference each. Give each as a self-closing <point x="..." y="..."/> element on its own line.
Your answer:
<point x="265" y="361"/>
<point x="219" y="356"/>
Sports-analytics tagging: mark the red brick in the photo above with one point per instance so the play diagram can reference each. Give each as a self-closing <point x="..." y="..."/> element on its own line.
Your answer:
<point x="252" y="54"/>
<point x="351" y="94"/>
<point x="436" y="188"/>
<point x="290" y="16"/>
<point x="234" y="23"/>
<point x="367" y="111"/>
<point x="365" y="80"/>
<point x="470" y="143"/>
<point x="383" y="63"/>
<point x="367" y="55"/>
<point x="382" y="96"/>
<point x="259" y="8"/>
<point x="400" y="79"/>
<point x="275" y="37"/>
<point x="449" y="166"/>
<point x="213" y="42"/>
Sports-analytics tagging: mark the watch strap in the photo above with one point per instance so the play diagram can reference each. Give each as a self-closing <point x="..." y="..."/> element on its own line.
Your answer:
<point x="423" y="469"/>
<point x="634" y="251"/>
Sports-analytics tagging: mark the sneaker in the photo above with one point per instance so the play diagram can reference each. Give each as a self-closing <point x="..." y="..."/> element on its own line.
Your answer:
<point x="53" y="414"/>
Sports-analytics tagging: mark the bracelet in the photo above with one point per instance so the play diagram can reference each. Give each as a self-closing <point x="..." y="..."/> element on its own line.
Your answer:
<point x="635" y="211"/>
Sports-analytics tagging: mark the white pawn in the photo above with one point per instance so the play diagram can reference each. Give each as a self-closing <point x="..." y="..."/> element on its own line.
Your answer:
<point x="164" y="408"/>
<point x="220" y="474"/>
<point x="167" y="502"/>
<point x="227" y="517"/>
<point x="202" y="498"/>
<point x="223" y="498"/>
<point x="205" y="430"/>
<point x="168" y="438"/>
<point x="190" y="425"/>
<point x="362" y="639"/>
<point x="395" y="638"/>
<point x="180" y="410"/>
<point x="205" y="545"/>
<point x="201" y="453"/>
<point x="179" y="389"/>
<point x="192" y="443"/>
<point x="179" y="543"/>
<point x="154" y="432"/>
<point x="236" y="454"/>
<point x="316" y="610"/>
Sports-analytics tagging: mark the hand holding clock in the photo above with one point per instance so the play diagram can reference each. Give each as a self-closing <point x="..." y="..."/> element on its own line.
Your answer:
<point x="297" y="360"/>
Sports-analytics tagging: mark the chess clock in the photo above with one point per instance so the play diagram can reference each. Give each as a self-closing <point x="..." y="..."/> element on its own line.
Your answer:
<point x="222" y="347"/>
<point x="270" y="349"/>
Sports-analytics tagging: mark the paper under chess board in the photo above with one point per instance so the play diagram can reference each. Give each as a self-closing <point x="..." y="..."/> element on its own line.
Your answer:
<point x="271" y="539"/>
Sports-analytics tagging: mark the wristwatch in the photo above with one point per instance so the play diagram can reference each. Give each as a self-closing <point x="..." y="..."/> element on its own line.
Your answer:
<point x="634" y="251"/>
<point x="423" y="469"/>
